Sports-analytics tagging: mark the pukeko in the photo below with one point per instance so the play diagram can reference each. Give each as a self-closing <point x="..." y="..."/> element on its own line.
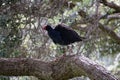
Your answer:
<point x="62" y="35"/>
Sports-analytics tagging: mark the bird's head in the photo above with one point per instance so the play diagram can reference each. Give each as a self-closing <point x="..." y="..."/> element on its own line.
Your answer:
<point x="47" y="27"/>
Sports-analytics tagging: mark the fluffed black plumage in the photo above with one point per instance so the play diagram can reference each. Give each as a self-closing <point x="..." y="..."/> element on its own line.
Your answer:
<point x="62" y="35"/>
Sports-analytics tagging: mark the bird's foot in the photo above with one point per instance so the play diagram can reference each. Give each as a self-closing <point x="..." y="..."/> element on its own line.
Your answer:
<point x="63" y="55"/>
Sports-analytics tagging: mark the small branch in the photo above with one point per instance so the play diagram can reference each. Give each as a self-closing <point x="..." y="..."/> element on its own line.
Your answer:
<point x="113" y="17"/>
<point x="62" y="69"/>
<point x="69" y="4"/>
<point x="110" y="32"/>
<point x="105" y="29"/>
<point x="111" y="5"/>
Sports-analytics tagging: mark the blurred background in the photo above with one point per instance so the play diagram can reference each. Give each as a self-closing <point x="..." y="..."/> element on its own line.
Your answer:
<point x="21" y="33"/>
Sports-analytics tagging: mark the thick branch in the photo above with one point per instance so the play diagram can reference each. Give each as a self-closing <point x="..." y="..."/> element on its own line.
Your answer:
<point x="24" y="67"/>
<point x="62" y="69"/>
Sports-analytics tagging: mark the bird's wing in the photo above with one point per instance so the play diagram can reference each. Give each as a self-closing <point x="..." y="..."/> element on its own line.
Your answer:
<point x="60" y="27"/>
<point x="67" y="34"/>
<point x="55" y="36"/>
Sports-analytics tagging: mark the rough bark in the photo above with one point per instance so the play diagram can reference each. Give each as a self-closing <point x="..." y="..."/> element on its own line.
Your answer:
<point x="62" y="69"/>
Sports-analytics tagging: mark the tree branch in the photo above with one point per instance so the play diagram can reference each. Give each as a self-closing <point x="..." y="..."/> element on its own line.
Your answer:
<point x="104" y="28"/>
<point x="111" y="5"/>
<point x="25" y="67"/>
<point x="110" y="32"/>
<point x="62" y="69"/>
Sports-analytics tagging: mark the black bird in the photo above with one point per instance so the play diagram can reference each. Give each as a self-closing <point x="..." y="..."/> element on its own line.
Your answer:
<point x="62" y="35"/>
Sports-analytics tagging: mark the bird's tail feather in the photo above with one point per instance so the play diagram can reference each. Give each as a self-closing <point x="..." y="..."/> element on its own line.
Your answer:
<point x="82" y="38"/>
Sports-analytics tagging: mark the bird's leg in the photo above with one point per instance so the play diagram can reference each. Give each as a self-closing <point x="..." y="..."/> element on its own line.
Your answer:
<point x="63" y="49"/>
<point x="61" y="52"/>
<point x="70" y="49"/>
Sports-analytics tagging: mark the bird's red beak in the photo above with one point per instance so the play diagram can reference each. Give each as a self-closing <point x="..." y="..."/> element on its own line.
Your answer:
<point x="44" y="28"/>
